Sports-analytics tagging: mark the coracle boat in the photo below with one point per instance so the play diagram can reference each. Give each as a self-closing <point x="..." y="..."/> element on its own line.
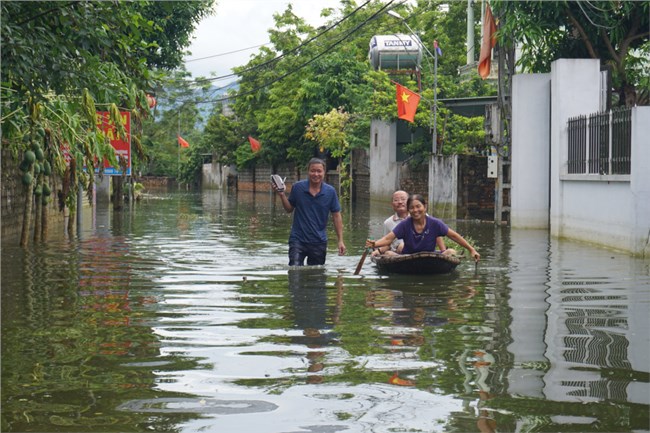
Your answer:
<point x="425" y="262"/>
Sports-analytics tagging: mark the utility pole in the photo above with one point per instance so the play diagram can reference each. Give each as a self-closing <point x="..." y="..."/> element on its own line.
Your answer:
<point x="470" y="32"/>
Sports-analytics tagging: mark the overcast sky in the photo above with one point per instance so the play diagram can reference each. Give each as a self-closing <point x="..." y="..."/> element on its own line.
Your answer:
<point x="238" y="25"/>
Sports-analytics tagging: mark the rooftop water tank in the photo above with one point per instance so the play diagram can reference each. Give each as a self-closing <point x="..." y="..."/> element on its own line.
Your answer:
<point x="395" y="52"/>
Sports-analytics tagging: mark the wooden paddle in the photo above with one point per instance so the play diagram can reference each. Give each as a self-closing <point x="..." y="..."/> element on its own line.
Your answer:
<point x="363" y="259"/>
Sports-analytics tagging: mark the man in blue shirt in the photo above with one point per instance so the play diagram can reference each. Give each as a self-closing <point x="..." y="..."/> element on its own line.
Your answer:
<point x="313" y="200"/>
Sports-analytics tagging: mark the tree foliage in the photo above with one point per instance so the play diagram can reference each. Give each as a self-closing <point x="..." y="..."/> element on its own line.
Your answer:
<point x="306" y="72"/>
<point x="62" y="61"/>
<point x="55" y="52"/>
<point x="176" y="113"/>
<point x="328" y="131"/>
<point x="616" y="32"/>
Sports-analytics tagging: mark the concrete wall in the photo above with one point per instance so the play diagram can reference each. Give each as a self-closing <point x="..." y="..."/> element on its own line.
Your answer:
<point x="530" y="170"/>
<point x="385" y="170"/>
<point x="602" y="209"/>
<point x="445" y="187"/>
<point x="215" y="175"/>
<point x="460" y="183"/>
<point x="610" y="210"/>
<point x="476" y="190"/>
<point x="575" y="90"/>
<point x="389" y="175"/>
<point x="640" y="181"/>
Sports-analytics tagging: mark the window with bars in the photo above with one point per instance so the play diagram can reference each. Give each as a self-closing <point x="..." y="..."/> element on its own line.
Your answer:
<point x="600" y="143"/>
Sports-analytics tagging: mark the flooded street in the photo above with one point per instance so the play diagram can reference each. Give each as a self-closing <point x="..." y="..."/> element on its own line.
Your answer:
<point x="181" y="315"/>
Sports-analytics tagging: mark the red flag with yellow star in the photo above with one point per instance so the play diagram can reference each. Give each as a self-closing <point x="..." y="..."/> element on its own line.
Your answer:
<point x="407" y="103"/>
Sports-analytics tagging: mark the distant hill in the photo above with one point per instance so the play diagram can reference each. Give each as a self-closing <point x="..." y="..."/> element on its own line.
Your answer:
<point x="216" y="93"/>
<point x="205" y="102"/>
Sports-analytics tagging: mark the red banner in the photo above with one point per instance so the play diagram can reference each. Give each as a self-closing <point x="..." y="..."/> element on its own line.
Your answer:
<point x="122" y="146"/>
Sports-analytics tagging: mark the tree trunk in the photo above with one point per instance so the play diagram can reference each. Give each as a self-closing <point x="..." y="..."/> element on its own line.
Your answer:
<point x="38" y="211"/>
<point x="71" y="219"/>
<point x="118" y="201"/>
<point x="27" y="214"/>
<point x="44" y="212"/>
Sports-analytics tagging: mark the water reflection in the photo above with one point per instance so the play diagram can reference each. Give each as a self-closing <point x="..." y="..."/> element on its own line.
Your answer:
<point x="181" y="315"/>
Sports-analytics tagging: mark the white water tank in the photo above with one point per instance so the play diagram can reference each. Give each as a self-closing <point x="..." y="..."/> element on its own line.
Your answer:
<point x="395" y="52"/>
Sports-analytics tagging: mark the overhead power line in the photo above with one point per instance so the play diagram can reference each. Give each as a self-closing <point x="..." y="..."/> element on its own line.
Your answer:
<point x="225" y="54"/>
<point x="307" y="63"/>
<point x="275" y="59"/>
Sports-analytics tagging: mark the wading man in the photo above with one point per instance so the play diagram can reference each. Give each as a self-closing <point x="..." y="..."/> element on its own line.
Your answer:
<point x="312" y="201"/>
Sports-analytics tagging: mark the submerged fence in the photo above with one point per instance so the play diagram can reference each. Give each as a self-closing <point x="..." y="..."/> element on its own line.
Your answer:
<point x="600" y="143"/>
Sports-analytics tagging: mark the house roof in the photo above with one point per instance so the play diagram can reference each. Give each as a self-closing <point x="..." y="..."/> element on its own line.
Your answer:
<point x="469" y="107"/>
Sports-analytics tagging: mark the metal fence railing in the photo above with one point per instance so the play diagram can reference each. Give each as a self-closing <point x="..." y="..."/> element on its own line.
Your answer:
<point x="600" y="143"/>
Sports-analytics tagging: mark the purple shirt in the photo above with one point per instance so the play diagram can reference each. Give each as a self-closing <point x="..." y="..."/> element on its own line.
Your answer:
<point x="425" y="241"/>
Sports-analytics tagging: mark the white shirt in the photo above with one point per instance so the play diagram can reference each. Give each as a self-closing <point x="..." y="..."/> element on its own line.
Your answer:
<point x="389" y="225"/>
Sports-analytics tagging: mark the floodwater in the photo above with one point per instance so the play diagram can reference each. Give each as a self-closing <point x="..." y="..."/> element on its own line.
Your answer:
<point x="180" y="315"/>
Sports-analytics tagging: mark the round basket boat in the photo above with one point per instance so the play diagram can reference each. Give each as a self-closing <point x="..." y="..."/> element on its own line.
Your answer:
<point x="425" y="262"/>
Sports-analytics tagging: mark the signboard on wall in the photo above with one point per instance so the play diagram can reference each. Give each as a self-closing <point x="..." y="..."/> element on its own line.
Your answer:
<point x="122" y="146"/>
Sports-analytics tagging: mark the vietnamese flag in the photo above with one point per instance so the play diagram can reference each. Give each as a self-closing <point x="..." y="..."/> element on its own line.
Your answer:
<point x="488" y="42"/>
<point x="182" y="142"/>
<point x="255" y="145"/>
<point x="407" y="103"/>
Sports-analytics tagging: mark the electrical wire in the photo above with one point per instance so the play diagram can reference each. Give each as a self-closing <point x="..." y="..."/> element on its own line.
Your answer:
<point x="310" y="61"/>
<point x="307" y="63"/>
<point x="275" y="59"/>
<point x="225" y="54"/>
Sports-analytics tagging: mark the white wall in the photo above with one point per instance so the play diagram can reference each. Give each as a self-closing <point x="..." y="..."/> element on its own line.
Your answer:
<point x="384" y="178"/>
<point x="445" y="187"/>
<point x="575" y="90"/>
<point x="607" y="210"/>
<point x="530" y="156"/>
<point x="598" y="212"/>
<point x="215" y="175"/>
<point x="640" y="182"/>
<point x="613" y="211"/>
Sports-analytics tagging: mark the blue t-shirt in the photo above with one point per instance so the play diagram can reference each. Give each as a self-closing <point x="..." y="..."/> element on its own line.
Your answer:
<point x="425" y="241"/>
<point x="311" y="213"/>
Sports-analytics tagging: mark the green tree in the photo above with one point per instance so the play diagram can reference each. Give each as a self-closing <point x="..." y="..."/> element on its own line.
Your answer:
<point x="616" y="32"/>
<point x="177" y="113"/>
<point x="223" y="140"/>
<point x="62" y="61"/>
<point x="222" y="136"/>
<point x="329" y="132"/>
<point x="307" y="72"/>
<point x="316" y="71"/>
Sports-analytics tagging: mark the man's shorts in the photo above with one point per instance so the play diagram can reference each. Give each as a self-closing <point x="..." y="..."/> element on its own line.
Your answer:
<point x="315" y="253"/>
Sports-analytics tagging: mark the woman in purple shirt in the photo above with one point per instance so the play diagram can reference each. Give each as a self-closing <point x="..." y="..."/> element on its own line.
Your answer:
<point x="421" y="230"/>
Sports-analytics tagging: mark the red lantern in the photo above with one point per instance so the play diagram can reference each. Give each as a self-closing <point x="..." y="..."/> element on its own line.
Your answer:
<point x="151" y="100"/>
